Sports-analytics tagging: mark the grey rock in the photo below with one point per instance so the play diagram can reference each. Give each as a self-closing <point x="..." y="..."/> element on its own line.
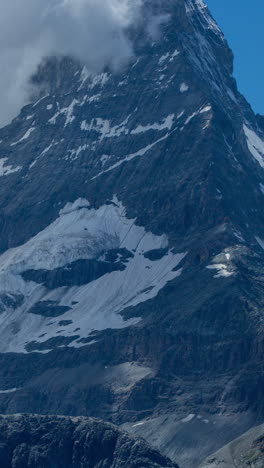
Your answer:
<point x="194" y="352"/>
<point x="31" y="441"/>
<point x="245" y="452"/>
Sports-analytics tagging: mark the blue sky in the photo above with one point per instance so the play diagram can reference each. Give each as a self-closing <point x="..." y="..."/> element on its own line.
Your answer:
<point x="242" y="22"/>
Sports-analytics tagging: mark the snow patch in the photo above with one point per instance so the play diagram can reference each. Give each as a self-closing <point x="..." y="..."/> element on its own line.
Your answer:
<point x="67" y="111"/>
<point x="184" y="88"/>
<point x="39" y="100"/>
<point x="6" y="170"/>
<point x="104" y="159"/>
<point x="255" y="145"/>
<point x="167" y="124"/>
<point x="260" y="242"/>
<point x="163" y="58"/>
<point x="222" y="270"/>
<point x="43" y="153"/>
<point x="99" y="80"/>
<point x="200" y="111"/>
<point x="129" y="157"/>
<point x="188" y="418"/>
<point x="103" y="127"/>
<point x="74" y="153"/>
<point x="11" y="390"/>
<point x="24" y="137"/>
<point x="77" y="205"/>
<point x="81" y="232"/>
<point x="168" y="57"/>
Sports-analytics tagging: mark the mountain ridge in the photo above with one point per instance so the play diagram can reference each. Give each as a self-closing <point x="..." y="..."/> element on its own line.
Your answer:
<point x="136" y="198"/>
<point x="34" y="441"/>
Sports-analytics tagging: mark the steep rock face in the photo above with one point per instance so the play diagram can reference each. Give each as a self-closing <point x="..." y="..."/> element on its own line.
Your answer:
<point x="131" y="273"/>
<point x="29" y="441"/>
<point x="245" y="452"/>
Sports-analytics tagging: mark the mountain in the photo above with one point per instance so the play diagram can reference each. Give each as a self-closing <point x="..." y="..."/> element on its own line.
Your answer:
<point x="52" y="441"/>
<point x="131" y="237"/>
<point x="245" y="452"/>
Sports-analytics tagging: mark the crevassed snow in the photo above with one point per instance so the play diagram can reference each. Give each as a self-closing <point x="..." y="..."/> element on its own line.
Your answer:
<point x="255" y="145"/>
<point x="167" y="124"/>
<point x="6" y="170"/>
<point x="82" y="233"/>
<point x="25" y="136"/>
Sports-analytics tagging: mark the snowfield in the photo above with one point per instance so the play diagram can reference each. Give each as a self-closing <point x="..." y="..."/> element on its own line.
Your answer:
<point x="81" y="233"/>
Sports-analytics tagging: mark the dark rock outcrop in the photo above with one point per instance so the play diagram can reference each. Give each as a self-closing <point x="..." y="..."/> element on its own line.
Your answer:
<point x="30" y="441"/>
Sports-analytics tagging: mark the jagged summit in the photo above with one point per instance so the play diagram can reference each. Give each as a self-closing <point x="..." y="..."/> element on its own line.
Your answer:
<point x="132" y="240"/>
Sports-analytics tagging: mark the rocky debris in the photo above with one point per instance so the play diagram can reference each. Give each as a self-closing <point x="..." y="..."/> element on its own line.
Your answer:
<point x="31" y="441"/>
<point x="245" y="452"/>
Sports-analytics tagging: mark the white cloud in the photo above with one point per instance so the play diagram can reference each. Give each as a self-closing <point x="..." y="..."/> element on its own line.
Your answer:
<point x="93" y="31"/>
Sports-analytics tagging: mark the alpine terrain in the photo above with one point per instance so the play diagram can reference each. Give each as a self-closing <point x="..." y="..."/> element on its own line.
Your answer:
<point x="245" y="452"/>
<point x="132" y="243"/>
<point x="29" y="441"/>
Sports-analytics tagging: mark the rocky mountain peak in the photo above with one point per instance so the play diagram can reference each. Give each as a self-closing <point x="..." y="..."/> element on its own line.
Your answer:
<point x="132" y="241"/>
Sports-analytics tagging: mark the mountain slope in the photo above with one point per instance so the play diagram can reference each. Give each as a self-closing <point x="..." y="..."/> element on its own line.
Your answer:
<point x="132" y="243"/>
<point x="50" y="441"/>
<point x="247" y="451"/>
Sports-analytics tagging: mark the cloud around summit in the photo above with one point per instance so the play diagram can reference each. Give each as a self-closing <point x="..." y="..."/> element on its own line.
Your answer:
<point x="93" y="31"/>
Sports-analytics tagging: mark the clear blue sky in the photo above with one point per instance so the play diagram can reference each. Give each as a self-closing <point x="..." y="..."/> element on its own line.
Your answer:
<point x="242" y="22"/>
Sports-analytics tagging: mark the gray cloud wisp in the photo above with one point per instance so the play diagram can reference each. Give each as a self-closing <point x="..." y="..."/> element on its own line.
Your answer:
<point x="94" y="31"/>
